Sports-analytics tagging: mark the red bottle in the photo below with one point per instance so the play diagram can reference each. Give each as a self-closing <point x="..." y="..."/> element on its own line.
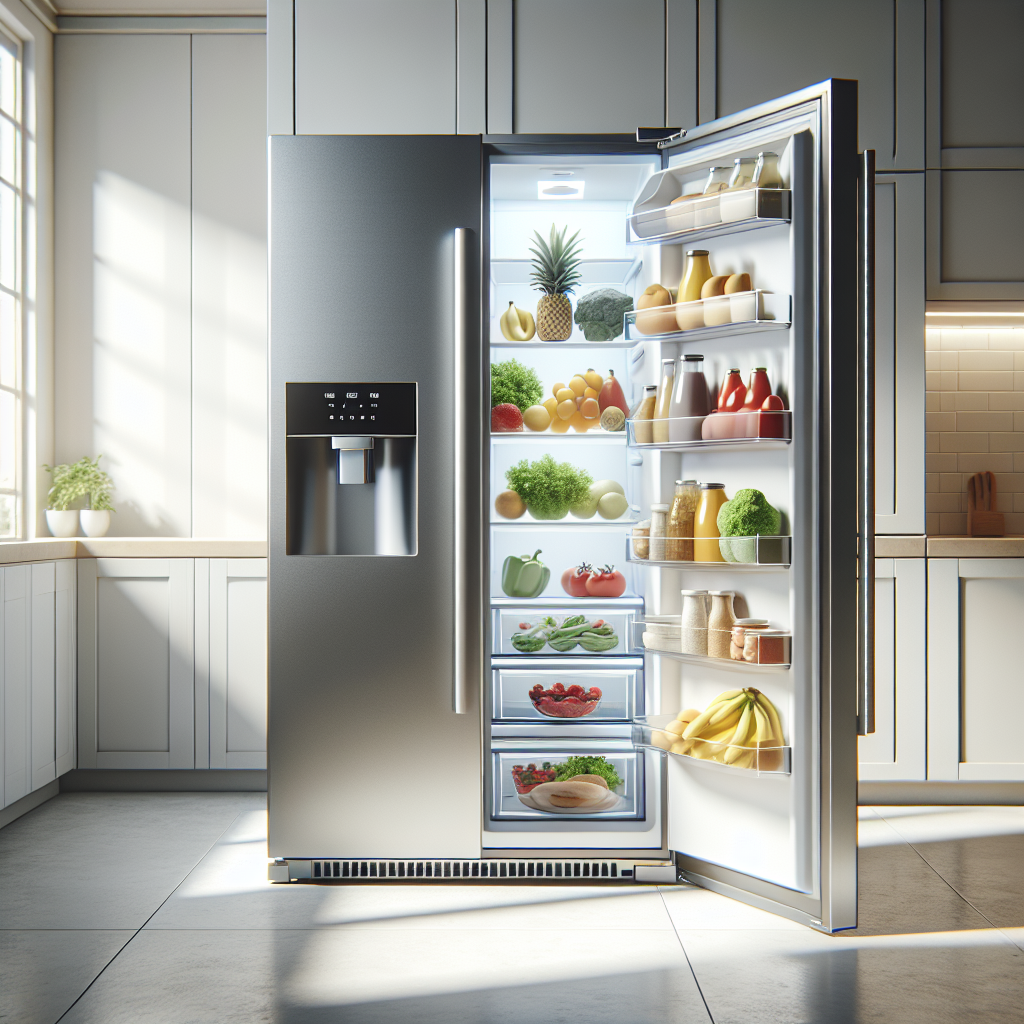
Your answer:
<point x="732" y="382"/>
<point x="771" y="422"/>
<point x="758" y="389"/>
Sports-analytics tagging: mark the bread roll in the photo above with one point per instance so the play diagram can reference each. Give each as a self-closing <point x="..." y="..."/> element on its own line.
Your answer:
<point x="597" y="780"/>
<point x="714" y="286"/>
<point x="569" y="794"/>
<point x="737" y="283"/>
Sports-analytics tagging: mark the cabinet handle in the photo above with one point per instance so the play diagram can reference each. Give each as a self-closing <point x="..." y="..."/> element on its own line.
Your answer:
<point x="866" y="446"/>
<point x="463" y="561"/>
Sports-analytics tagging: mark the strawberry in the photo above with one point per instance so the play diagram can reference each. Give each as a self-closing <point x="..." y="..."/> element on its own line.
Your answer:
<point x="506" y="418"/>
<point x="576" y="690"/>
<point x="594" y="693"/>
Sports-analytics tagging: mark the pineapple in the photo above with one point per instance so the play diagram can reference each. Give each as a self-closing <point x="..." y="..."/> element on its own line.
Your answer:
<point x="555" y="272"/>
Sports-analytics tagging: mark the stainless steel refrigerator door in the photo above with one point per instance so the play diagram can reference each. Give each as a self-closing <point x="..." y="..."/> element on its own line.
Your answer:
<point x="374" y="277"/>
<point x="822" y="800"/>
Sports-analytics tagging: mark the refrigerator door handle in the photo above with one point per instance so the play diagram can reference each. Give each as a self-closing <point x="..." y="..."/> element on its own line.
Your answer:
<point x="866" y="447"/>
<point x="463" y="561"/>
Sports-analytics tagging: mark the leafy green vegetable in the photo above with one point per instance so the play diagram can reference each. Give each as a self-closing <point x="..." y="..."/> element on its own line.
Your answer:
<point x="514" y="383"/>
<point x="747" y="515"/>
<point x="549" y="488"/>
<point x="599" y="313"/>
<point x="587" y="765"/>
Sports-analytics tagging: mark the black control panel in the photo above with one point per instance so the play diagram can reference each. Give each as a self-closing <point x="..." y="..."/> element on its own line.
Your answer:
<point x="352" y="408"/>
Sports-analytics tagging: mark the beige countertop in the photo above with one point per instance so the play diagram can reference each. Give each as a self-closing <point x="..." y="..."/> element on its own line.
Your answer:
<point x="46" y="548"/>
<point x="976" y="547"/>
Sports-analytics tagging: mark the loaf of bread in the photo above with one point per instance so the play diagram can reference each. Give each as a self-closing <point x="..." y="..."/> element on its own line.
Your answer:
<point x="569" y="794"/>
<point x="597" y="780"/>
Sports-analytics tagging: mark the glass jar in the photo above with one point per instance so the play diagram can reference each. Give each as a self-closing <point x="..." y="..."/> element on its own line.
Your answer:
<point x="718" y="179"/>
<point x="643" y="428"/>
<point x="659" y="525"/>
<point x="663" y="401"/>
<point x="693" y="634"/>
<point x="690" y="402"/>
<point x="766" y="174"/>
<point x="642" y="539"/>
<point x="705" y="523"/>
<point x="720" y="623"/>
<point x="740" y="631"/>
<point x="679" y="533"/>
<point x="742" y="172"/>
<point x="696" y="272"/>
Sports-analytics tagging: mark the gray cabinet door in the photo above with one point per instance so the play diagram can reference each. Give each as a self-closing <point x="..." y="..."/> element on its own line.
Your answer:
<point x="588" y="65"/>
<point x="136" y="663"/>
<point x="386" y="67"/>
<point x="763" y="50"/>
<point x="16" y="609"/>
<point x="64" y="665"/>
<point x="43" y="712"/>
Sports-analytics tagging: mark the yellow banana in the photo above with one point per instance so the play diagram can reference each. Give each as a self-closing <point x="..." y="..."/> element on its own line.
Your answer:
<point x="773" y="717"/>
<point x="517" y="325"/>
<point x="698" y="724"/>
<point x="738" y="743"/>
<point x="726" y="707"/>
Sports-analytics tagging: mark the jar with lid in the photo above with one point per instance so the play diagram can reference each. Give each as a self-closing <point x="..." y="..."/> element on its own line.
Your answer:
<point x="659" y="525"/>
<point x="642" y="539"/>
<point x="742" y="628"/>
<point x="693" y="633"/>
<point x="679" y="533"/>
<point x="766" y="173"/>
<point x="643" y="427"/>
<point x="720" y="623"/>
<point x="696" y="272"/>
<point x="705" y="523"/>
<point x="663" y="401"/>
<point x="690" y="400"/>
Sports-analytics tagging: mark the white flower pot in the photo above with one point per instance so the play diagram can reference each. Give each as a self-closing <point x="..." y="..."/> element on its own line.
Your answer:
<point x="62" y="524"/>
<point x="95" y="522"/>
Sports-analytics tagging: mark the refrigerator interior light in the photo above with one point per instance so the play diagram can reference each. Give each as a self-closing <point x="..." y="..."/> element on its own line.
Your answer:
<point x="560" y="189"/>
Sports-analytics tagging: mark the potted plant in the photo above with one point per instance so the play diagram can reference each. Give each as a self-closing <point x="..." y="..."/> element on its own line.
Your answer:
<point x="74" y="481"/>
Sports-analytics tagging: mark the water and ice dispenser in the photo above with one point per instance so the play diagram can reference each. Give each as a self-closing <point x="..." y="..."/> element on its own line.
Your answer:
<point x="351" y="454"/>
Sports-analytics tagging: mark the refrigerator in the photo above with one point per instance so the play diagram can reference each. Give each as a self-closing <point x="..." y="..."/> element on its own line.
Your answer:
<point x="432" y="689"/>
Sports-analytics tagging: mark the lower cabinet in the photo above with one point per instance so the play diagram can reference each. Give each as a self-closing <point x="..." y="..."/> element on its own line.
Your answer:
<point x="37" y="677"/>
<point x="895" y="751"/>
<point x="975" y="691"/>
<point x="172" y="663"/>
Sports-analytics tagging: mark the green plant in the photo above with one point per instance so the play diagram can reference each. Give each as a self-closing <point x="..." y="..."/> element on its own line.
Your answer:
<point x="515" y="384"/>
<point x="78" y="479"/>
<point x="549" y="488"/>
<point x="747" y="516"/>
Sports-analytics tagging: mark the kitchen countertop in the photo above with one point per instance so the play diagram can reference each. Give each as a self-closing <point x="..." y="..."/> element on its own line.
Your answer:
<point x="47" y="548"/>
<point x="976" y="547"/>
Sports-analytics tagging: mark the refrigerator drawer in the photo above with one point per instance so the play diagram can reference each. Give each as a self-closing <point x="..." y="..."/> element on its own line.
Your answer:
<point x="532" y="630"/>
<point x="522" y="784"/>
<point x="609" y="690"/>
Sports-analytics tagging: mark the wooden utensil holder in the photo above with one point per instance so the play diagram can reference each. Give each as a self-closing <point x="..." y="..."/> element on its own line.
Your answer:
<point x="982" y="519"/>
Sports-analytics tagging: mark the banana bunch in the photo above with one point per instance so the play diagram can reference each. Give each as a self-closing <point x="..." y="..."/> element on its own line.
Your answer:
<point x="739" y="727"/>
<point x="516" y="324"/>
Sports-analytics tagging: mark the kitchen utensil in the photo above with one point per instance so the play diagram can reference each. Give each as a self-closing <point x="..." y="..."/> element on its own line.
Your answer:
<point x="982" y="518"/>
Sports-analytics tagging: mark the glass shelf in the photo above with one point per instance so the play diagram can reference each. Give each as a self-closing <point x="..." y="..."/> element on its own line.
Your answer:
<point x="649" y="734"/>
<point x="721" y="316"/>
<point x="589" y="345"/>
<point x="723" y="213"/>
<point x="617" y="271"/>
<point x="569" y="437"/>
<point x="525" y="522"/>
<point x="742" y="648"/>
<point x="759" y="554"/>
<point x="718" y="431"/>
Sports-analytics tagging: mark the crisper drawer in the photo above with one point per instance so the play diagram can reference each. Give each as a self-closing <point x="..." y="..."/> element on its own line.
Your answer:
<point x="548" y="629"/>
<point x="524" y="786"/>
<point x="587" y="690"/>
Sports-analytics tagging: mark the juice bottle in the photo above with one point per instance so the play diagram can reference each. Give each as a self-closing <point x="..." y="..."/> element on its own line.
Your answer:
<point x="705" y="523"/>
<point x="663" y="401"/>
<point x="696" y="271"/>
<point x="689" y="400"/>
<point x="679" y="531"/>
<point x="643" y="427"/>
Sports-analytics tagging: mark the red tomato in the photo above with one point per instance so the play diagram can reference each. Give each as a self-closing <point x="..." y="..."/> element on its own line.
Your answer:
<point x="574" y="580"/>
<point x="606" y="582"/>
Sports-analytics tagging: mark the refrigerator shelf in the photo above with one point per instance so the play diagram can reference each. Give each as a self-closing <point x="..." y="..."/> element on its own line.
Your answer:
<point x="649" y="734"/>
<point x="569" y="437"/>
<point x="507" y="622"/>
<point x="720" y="316"/>
<point x="614" y="271"/>
<point x="725" y="445"/>
<point x="718" y="431"/>
<point x="760" y="554"/>
<point x="722" y="213"/>
<point x="724" y="663"/>
<point x="580" y="344"/>
<point x="525" y="522"/>
<point x="739" y="649"/>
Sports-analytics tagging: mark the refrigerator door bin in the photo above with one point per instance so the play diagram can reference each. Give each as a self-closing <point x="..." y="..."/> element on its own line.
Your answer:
<point x="525" y="628"/>
<point x="658" y="219"/>
<point x="517" y="793"/>
<point x="752" y="554"/>
<point x="649" y="733"/>
<point x="610" y="690"/>
<point x="719" y="316"/>
<point x="721" y="430"/>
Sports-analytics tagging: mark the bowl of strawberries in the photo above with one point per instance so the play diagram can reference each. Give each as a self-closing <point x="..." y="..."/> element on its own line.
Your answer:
<point x="565" y="701"/>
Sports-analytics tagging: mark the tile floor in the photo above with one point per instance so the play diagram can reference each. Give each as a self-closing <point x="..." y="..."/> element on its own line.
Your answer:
<point x="154" y="908"/>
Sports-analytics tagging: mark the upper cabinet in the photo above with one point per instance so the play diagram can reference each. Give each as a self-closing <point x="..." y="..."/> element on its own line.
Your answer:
<point x="975" y="154"/>
<point x="764" y="50"/>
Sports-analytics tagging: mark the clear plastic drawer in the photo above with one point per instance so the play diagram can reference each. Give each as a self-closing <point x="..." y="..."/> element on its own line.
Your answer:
<point x="552" y="628"/>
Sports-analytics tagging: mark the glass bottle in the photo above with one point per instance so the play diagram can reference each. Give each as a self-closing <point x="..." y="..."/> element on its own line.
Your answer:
<point x="690" y="402"/>
<point x="705" y="523"/>
<point x="696" y="271"/>
<point x="663" y="401"/>
<point x="720" y="623"/>
<point x="679" y="532"/>
<point x="659" y="524"/>
<point x="730" y="383"/>
<point x="742" y="172"/>
<point x="766" y="174"/>
<point x="693" y="633"/>
<point x="643" y="429"/>
<point x="718" y="179"/>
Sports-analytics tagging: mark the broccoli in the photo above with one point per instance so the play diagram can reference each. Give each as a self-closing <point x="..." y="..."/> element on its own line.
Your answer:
<point x="599" y="313"/>
<point x="549" y="488"/>
<point x="585" y="764"/>
<point x="515" y="384"/>
<point x="748" y="515"/>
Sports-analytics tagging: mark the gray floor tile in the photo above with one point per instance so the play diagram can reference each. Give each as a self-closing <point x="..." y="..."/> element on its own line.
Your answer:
<point x="43" y="972"/>
<point x="341" y="974"/>
<point x="809" y="978"/>
<point x="107" y="860"/>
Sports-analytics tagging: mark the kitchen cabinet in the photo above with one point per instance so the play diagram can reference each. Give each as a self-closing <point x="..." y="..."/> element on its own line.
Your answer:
<point x="135" y="663"/>
<point x="975" y="700"/>
<point x="43" y="674"/>
<point x="17" y="693"/>
<point x="65" y="658"/>
<point x="975" y="155"/>
<point x="896" y="749"/>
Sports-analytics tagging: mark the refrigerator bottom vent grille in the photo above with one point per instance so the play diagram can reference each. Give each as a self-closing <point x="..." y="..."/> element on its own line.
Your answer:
<point x="460" y="870"/>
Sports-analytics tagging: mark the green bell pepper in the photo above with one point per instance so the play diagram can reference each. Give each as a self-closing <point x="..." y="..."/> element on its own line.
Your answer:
<point x="525" y="576"/>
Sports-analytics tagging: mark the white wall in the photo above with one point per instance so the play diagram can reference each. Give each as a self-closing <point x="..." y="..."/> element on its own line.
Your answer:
<point x="161" y="275"/>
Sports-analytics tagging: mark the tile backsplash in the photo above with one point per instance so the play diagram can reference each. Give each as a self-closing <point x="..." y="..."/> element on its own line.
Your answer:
<point x="974" y="412"/>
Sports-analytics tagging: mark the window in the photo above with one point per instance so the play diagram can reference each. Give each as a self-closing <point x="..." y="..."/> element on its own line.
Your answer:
<point x="12" y="149"/>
